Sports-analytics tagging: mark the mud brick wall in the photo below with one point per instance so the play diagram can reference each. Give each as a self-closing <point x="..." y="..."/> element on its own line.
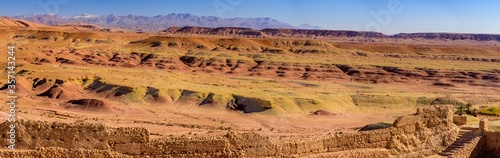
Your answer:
<point x="359" y="153"/>
<point x="208" y="147"/>
<point x="367" y="139"/>
<point x="301" y="147"/>
<point x="252" y="144"/>
<point x="492" y="143"/>
<point x="472" y="150"/>
<point x="427" y="132"/>
<point x="37" y="134"/>
<point x="60" y="152"/>
<point x="127" y="135"/>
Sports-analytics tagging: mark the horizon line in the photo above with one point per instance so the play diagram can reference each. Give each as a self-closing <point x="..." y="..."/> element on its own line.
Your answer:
<point x="321" y="28"/>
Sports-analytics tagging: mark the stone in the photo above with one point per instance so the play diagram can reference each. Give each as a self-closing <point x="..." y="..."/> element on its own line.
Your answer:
<point x="459" y="120"/>
<point x="483" y="125"/>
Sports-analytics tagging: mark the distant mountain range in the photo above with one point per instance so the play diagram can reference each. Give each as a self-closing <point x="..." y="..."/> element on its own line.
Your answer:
<point x="161" y="22"/>
<point x="209" y="25"/>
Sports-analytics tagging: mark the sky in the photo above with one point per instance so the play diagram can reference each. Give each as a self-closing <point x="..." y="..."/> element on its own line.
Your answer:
<point x="386" y="16"/>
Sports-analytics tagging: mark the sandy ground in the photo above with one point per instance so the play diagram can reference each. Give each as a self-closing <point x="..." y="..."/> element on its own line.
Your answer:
<point x="189" y="119"/>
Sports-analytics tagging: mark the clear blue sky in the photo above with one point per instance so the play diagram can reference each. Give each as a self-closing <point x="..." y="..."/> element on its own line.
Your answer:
<point x="463" y="16"/>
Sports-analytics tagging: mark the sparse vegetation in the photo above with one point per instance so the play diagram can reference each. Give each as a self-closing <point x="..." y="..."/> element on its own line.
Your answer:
<point x="466" y="109"/>
<point x="493" y="111"/>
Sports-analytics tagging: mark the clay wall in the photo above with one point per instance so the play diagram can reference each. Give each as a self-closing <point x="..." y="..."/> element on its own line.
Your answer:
<point x="472" y="150"/>
<point x="427" y="132"/>
<point x="492" y="143"/>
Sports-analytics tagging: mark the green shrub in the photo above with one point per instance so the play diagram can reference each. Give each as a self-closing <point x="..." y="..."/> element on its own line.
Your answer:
<point x="466" y="109"/>
<point x="494" y="111"/>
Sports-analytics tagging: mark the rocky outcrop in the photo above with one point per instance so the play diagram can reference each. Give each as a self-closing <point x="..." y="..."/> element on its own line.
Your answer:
<point x="88" y="104"/>
<point x="249" y="104"/>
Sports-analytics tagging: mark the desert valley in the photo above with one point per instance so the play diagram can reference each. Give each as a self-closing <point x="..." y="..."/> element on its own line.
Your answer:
<point x="90" y="91"/>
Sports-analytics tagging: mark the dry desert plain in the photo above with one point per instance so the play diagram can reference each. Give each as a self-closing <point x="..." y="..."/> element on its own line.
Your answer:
<point x="200" y="82"/>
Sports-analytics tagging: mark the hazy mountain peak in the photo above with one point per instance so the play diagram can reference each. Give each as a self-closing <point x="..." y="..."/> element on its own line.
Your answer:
<point x="307" y="26"/>
<point x="84" y="15"/>
<point x="161" y="22"/>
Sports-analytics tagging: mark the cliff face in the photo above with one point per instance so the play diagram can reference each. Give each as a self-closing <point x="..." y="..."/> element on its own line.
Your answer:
<point x="321" y="33"/>
<point x="224" y="31"/>
<point x="449" y="36"/>
<point x="424" y="133"/>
